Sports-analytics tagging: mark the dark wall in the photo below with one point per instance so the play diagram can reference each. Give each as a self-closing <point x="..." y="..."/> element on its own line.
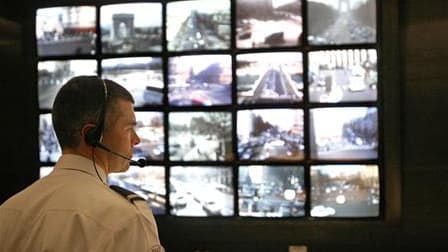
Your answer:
<point x="416" y="66"/>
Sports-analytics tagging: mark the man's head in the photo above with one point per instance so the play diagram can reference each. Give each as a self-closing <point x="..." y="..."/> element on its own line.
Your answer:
<point x="79" y="106"/>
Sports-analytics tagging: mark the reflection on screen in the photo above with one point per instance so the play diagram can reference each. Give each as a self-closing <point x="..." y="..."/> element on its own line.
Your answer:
<point x="343" y="75"/>
<point x="66" y="30"/>
<point x="150" y="130"/>
<point x="200" y="136"/>
<point x="49" y="148"/>
<point x="199" y="24"/>
<point x="269" y="78"/>
<point x="273" y="23"/>
<point x="201" y="191"/>
<point x="345" y="191"/>
<point x="133" y="27"/>
<point x="344" y="133"/>
<point x="270" y="134"/>
<point x="147" y="182"/>
<point x="53" y="74"/>
<point x="341" y="22"/>
<point x="201" y="80"/>
<point x="271" y="191"/>
<point x="142" y="76"/>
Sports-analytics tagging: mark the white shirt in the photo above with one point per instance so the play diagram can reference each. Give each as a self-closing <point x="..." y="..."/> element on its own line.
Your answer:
<point x="73" y="210"/>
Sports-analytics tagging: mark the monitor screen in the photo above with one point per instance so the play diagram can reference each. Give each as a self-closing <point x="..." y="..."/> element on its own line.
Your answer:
<point x="142" y="76"/>
<point x="200" y="136"/>
<point x="201" y="191"/>
<point x="261" y="23"/>
<point x="52" y="74"/>
<point x="270" y="134"/>
<point x="147" y="182"/>
<point x="200" y="80"/>
<point x="344" y="133"/>
<point x="150" y="130"/>
<point x="67" y="30"/>
<point x="45" y="170"/>
<point x="49" y="148"/>
<point x="341" y="22"/>
<point x="343" y="75"/>
<point x="198" y="25"/>
<point x="269" y="78"/>
<point x="132" y="27"/>
<point x="271" y="191"/>
<point x="345" y="191"/>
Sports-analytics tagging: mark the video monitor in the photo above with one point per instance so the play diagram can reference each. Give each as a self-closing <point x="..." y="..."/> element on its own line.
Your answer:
<point x="269" y="78"/>
<point x="345" y="191"/>
<point x="142" y="76"/>
<point x="200" y="136"/>
<point x="150" y="130"/>
<point x="45" y="171"/>
<point x="343" y="75"/>
<point x="344" y="133"/>
<point x="276" y="191"/>
<point x="69" y="30"/>
<point x="200" y="80"/>
<point x="270" y="134"/>
<point x="261" y="23"/>
<point x="131" y="27"/>
<point x="52" y="74"/>
<point x="201" y="191"/>
<point x="49" y="148"/>
<point x="198" y="25"/>
<point x="341" y="22"/>
<point x="147" y="182"/>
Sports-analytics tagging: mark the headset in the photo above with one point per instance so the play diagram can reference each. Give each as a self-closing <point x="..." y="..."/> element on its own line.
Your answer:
<point x="94" y="135"/>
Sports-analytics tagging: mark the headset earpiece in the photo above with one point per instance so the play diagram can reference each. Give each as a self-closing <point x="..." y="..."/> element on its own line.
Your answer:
<point x="92" y="137"/>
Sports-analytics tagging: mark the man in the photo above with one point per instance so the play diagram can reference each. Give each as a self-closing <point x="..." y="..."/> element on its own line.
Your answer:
<point x="73" y="209"/>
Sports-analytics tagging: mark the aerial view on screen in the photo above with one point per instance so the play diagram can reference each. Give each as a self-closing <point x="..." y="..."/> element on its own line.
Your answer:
<point x="343" y="75"/>
<point x="269" y="78"/>
<point x="147" y="182"/>
<point x="345" y="191"/>
<point x="341" y="21"/>
<point x="200" y="80"/>
<point x="271" y="191"/>
<point x="66" y="30"/>
<point x="268" y="23"/>
<point x="201" y="191"/>
<point x="196" y="136"/>
<point x="198" y="24"/>
<point x="132" y="27"/>
<point x="149" y="128"/>
<point x="270" y="134"/>
<point x="53" y="74"/>
<point x="142" y="76"/>
<point x="344" y="133"/>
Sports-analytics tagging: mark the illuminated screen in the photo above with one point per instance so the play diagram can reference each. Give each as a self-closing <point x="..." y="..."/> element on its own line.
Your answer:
<point x="49" y="148"/>
<point x="142" y="76"/>
<point x="45" y="171"/>
<point x="271" y="191"/>
<point x="200" y="136"/>
<point x="53" y="74"/>
<point x="269" y="78"/>
<point x="150" y="130"/>
<point x="261" y="23"/>
<point x="344" y="133"/>
<point x="270" y="134"/>
<point x="201" y="80"/>
<point x="197" y="25"/>
<point x="201" y="191"/>
<point x="343" y="75"/>
<point x="147" y="182"/>
<point x="341" y="22"/>
<point x="66" y="31"/>
<point x="345" y="191"/>
<point x="133" y="27"/>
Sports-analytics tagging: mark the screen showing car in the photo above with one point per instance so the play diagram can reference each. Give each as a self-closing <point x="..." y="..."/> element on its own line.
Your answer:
<point x="150" y="130"/>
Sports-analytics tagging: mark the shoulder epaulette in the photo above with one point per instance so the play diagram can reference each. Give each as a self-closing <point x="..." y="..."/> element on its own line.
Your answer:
<point x="130" y="196"/>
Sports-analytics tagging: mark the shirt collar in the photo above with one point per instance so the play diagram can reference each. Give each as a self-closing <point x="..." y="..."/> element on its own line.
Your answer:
<point x="82" y="164"/>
